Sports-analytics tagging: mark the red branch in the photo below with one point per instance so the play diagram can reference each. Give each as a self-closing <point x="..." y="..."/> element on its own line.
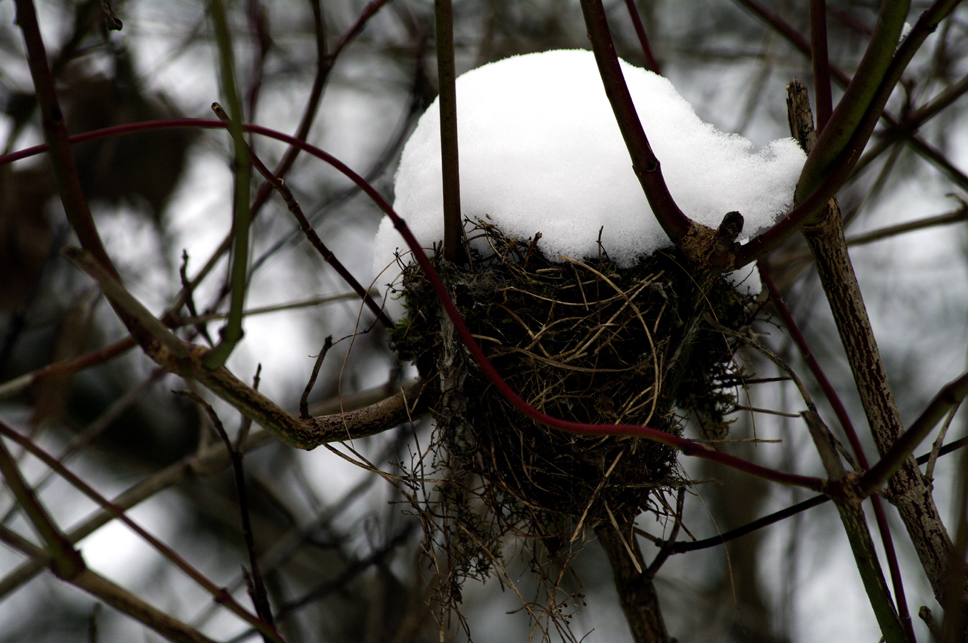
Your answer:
<point x="686" y="446"/>
<point x="848" y="427"/>
<point x="645" y="164"/>
<point x="821" y="65"/>
<point x="642" y="36"/>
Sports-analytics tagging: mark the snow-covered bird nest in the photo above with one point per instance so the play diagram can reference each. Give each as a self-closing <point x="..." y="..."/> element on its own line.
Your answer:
<point x="578" y="297"/>
<point x="582" y="340"/>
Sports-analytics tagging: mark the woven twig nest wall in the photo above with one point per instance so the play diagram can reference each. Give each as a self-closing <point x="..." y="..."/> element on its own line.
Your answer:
<point x="580" y="340"/>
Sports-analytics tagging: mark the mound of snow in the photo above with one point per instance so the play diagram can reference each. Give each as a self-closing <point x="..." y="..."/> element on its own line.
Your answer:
<point x="540" y="152"/>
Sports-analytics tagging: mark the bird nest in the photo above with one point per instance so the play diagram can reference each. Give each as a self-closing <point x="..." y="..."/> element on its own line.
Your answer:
<point x="580" y="340"/>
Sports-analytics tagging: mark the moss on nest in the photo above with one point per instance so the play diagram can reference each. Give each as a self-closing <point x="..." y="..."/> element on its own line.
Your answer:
<point x="581" y="340"/>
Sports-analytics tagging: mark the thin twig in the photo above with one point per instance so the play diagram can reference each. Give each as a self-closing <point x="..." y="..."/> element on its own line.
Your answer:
<point x="351" y="571"/>
<point x="114" y="595"/>
<point x="189" y="298"/>
<point x="753" y="409"/>
<point x="650" y="60"/>
<point x="75" y="365"/>
<point x="67" y="367"/>
<point x="231" y="334"/>
<point x="825" y="184"/>
<point x="304" y="399"/>
<point x="939" y="442"/>
<point x="957" y="216"/>
<point x="263" y="310"/>
<point x="66" y="561"/>
<point x="681" y="547"/>
<point x="260" y="597"/>
<point x="55" y="133"/>
<point x="258" y="19"/>
<point x="947" y="398"/>
<point x="280" y="186"/>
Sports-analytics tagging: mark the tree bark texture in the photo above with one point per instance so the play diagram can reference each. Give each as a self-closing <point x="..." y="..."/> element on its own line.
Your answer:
<point x="907" y="489"/>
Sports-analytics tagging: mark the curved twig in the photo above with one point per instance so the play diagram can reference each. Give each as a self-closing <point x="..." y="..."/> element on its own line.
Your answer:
<point x="644" y="161"/>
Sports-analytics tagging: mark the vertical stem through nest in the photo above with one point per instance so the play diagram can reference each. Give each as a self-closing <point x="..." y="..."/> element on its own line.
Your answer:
<point x="449" y="167"/>
<point x="636" y="591"/>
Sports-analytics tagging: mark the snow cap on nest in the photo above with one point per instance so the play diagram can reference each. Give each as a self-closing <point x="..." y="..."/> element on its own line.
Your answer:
<point x="540" y="152"/>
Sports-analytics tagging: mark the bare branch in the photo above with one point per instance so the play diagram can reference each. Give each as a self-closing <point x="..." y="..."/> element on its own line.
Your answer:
<point x="188" y="360"/>
<point x="280" y="186"/>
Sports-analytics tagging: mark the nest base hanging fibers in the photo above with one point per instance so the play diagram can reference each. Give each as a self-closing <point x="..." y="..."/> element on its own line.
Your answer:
<point x="581" y="340"/>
